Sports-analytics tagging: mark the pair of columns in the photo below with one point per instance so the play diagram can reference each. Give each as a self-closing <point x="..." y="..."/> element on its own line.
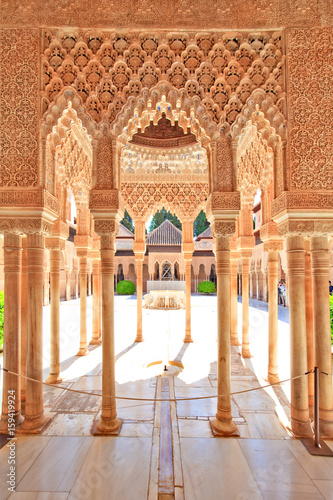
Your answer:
<point x="96" y="323"/>
<point x="34" y="411"/>
<point x="310" y="342"/>
<point x="139" y="256"/>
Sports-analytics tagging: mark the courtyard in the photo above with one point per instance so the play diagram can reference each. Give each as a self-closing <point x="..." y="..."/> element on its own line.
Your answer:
<point x="168" y="447"/>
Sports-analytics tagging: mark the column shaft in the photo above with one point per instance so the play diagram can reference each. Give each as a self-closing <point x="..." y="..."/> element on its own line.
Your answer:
<point x="188" y="336"/>
<point x="11" y="400"/>
<point x="322" y="331"/>
<point x="233" y="304"/>
<point x="108" y="423"/>
<point x="139" y="263"/>
<point x="96" y="327"/>
<point x="223" y="423"/>
<point x="24" y="317"/>
<point x="46" y="290"/>
<point x="68" y="285"/>
<point x="309" y="328"/>
<point x="273" y="369"/>
<point x="245" y="309"/>
<point x="54" y="375"/>
<point x="298" y="357"/>
<point x="83" y="307"/>
<point x="34" y="410"/>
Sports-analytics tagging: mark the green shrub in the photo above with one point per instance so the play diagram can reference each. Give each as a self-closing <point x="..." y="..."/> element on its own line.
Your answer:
<point x="2" y="301"/>
<point x="206" y="287"/>
<point x="331" y="313"/>
<point x="125" y="287"/>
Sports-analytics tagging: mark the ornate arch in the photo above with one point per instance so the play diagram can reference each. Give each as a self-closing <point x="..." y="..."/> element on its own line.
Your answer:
<point x="70" y="146"/>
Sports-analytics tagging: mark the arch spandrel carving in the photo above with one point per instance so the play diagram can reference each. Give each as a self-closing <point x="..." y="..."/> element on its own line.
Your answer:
<point x="107" y="69"/>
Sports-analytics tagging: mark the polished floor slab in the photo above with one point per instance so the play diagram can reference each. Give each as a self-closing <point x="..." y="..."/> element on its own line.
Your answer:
<point x="67" y="462"/>
<point x="115" y="468"/>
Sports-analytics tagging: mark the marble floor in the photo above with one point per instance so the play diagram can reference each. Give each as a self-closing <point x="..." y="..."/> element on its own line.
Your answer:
<point x="67" y="462"/>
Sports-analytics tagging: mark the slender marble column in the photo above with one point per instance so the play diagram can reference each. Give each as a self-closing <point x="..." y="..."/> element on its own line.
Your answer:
<point x="96" y="325"/>
<point x="24" y="317"/>
<point x="320" y="258"/>
<point x="76" y="296"/>
<point x="233" y="303"/>
<point x="245" y="308"/>
<point x="273" y="368"/>
<point x="54" y="375"/>
<point x="222" y="423"/>
<point x="108" y="423"/>
<point x="298" y="357"/>
<point x="309" y="326"/>
<point x="83" y="307"/>
<point x="35" y="418"/>
<point x="89" y="284"/>
<point x="139" y="263"/>
<point x="68" y="285"/>
<point x="265" y="287"/>
<point x="188" y="336"/>
<point x="11" y="392"/>
<point x="46" y="290"/>
<point x="258" y="291"/>
<point x="251" y="285"/>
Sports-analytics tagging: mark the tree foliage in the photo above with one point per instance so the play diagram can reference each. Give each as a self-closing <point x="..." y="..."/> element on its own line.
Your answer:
<point x="200" y="224"/>
<point x="127" y="221"/>
<point x="161" y="216"/>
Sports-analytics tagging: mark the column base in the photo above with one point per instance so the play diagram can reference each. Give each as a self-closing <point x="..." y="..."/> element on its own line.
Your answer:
<point x="325" y="429"/>
<point x="246" y="353"/>
<point x="34" y="425"/>
<point x="301" y="429"/>
<point x="96" y="341"/>
<point x="234" y="341"/>
<point x="107" y="427"/>
<point x="187" y="340"/>
<point x="83" y="351"/>
<point x="138" y="339"/>
<point x="222" y="428"/>
<point x="18" y="417"/>
<point x="272" y="378"/>
<point x="54" y="378"/>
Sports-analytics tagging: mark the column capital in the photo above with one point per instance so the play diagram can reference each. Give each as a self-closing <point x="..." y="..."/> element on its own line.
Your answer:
<point x="272" y="246"/>
<point x="55" y="243"/>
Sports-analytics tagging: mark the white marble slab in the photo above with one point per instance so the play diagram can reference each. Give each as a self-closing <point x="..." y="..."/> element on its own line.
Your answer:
<point x="276" y="470"/>
<point x="28" y="448"/>
<point x="194" y="428"/>
<point x="211" y="473"/>
<point x="315" y="467"/>
<point x="57" y="466"/>
<point x="70" y="424"/>
<point x="325" y="487"/>
<point x="115" y="469"/>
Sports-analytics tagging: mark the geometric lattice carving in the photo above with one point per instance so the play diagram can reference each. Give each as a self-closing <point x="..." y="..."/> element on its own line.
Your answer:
<point x="226" y="67"/>
<point x="142" y="199"/>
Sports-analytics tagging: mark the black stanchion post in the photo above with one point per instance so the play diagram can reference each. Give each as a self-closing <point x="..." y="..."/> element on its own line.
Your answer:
<point x="316" y="408"/>
<point x="316" y="446"/>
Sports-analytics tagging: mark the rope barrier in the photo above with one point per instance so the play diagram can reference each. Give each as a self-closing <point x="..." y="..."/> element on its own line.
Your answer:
<point x="153" y="400"/>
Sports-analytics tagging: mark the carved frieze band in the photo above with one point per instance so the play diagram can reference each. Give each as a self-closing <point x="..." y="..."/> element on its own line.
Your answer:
<point x="25" y="226"/>
<point x="306" y="227"/>
<point x="304" y="200"/>
<point x="29" y="198"/>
